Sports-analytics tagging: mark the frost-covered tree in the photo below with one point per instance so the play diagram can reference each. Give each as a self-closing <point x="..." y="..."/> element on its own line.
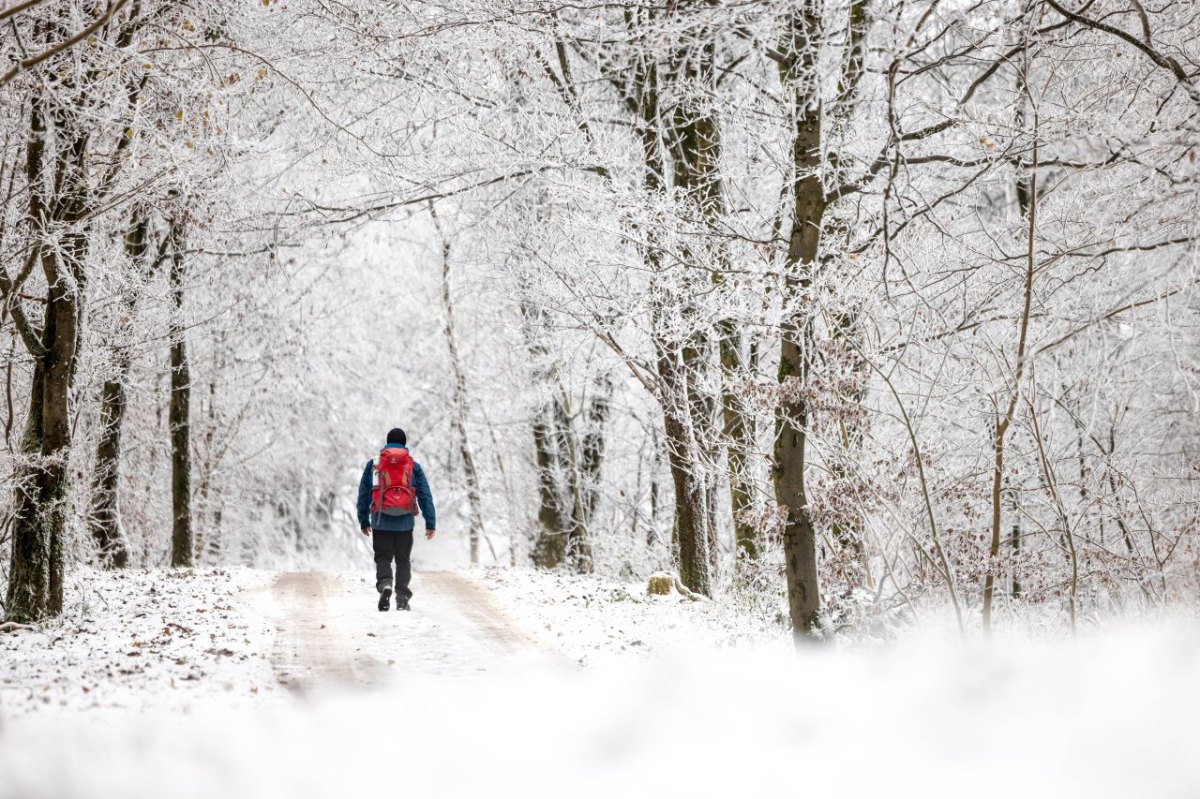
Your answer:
<point x="846" y="309"/>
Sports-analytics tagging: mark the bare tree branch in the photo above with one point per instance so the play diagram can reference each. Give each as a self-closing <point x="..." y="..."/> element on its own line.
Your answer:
<point x="29" y="63"/>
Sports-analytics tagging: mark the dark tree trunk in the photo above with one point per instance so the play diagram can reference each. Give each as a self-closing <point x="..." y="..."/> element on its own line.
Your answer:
<point x="691" y="506"/>
<point x="694" y="143"/>
<point x="36" y="576"/>
<point x="179" y="413"/>
<point x="1024" y="203"/>
<point x="586" y="459"/>
<point x="592" y="455"/>
<point x="550" y="547"/>
<point x="28" y="596"/>
<point x="576" y="546"/>
<point x="799" y="536"/>
<point x="105" y="517"/>
<point x="739" y="432"/>
<point x="690" y="531"/>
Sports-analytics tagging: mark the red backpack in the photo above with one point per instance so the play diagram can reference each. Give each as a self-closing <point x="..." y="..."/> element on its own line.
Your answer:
<point x="393" y="493"/>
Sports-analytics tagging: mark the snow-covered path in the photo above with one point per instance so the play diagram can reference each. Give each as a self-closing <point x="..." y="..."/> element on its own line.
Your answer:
<point x="293" y="686"/>
<point x="329" y="634"/>
<point x="310" y="646"/>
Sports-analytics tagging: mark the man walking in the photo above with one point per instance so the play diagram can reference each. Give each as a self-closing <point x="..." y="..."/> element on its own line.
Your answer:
<point x="392" y="488"/>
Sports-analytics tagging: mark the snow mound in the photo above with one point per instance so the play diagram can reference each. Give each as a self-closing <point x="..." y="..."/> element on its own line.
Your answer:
<point x="1114" y="714"/>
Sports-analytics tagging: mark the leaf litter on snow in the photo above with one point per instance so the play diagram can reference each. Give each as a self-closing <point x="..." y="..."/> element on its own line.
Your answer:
<point x="140" y="639"/>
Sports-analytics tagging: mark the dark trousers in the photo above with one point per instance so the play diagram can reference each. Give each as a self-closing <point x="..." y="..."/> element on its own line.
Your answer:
<point x="389" y="545"/>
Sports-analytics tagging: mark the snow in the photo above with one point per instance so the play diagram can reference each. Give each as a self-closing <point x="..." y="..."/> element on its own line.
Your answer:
<point x="139" y="640"/>
<point x="699" y="710"/>
<point x="590" y="619"/>
<point x="330" y="631"/>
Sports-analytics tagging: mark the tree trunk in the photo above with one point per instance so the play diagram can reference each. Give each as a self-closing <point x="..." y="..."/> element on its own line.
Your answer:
<point x="691" y="507"/>
<point x="36" y="576"/>
<point x="585" y="460"/>
<point x="179" y="413"/>
<point x="28" y="594"/>
<point x="694" y="143"/>
<point x="690" y="532"/>
<point x="593" y="444"/>
<point x="808" y="209"/>
<point x="739" y="435"/>
<point x="550" y="546"/>
<point x="1004" y="422"/>
<point x="656" y="471"/>
<point x="105" y="517"/>
<point x="35" y="589"/>
<point x="208" y="497"/>
<point x="578" y="550"/>
<point x="459" y="421"/>
<point x="1015" y="542"/>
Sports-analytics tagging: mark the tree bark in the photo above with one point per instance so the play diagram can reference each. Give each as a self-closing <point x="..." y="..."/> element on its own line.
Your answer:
<point x="105" y="518"/>
<point x="550" y="546"/>
<point x="739" y="433"/>
<point x="459" y="419"/>
<point x="694" y="143"/>
<point x="179" y="412"/>
<point x="792" y="418"/>
<point x="691" y="528"/>
<point x="593" y="443"/>
<point x="656" y="471"/>
<point x="1004" y="421"/>
<point x="36" y="576"/>
<point x="691" y="507"/>
<point x="586" y="460"/>
<point x="28" y="595"/>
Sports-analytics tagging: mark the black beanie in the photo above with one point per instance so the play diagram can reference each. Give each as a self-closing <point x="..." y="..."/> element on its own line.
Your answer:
<point x="396" y="436"/>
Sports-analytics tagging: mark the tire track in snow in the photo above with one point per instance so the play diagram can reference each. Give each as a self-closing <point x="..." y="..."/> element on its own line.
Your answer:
<point x="328" y="633"/>
<point x="473" y="602"/>
<point x="310" y="649"/>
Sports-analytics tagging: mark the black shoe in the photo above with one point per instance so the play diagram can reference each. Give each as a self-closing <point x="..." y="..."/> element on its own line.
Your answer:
<point x="385" y="597"/>
<point x="402" y="602"/>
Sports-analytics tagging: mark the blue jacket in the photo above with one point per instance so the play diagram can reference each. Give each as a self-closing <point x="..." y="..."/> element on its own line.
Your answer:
<point x="401" y="523"/>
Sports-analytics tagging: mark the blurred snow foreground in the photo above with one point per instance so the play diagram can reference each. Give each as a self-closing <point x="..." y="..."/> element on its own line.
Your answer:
<point x="479" y="693"/>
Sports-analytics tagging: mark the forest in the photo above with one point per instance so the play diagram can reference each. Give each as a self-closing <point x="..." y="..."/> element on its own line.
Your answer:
<point x="808" y="390"/>
<point x="844" y="313"/>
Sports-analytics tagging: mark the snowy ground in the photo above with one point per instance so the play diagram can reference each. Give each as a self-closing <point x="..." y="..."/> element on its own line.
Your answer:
<point x="133" y="640"/>
<point x="329" y="634"/>
<point x="591" y="620"/>
<point x="479" y="693"/>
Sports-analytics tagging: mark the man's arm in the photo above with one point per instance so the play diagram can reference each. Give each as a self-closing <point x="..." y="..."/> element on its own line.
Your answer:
<point x="364" y="500"/>
<point x="424" y="499"/>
